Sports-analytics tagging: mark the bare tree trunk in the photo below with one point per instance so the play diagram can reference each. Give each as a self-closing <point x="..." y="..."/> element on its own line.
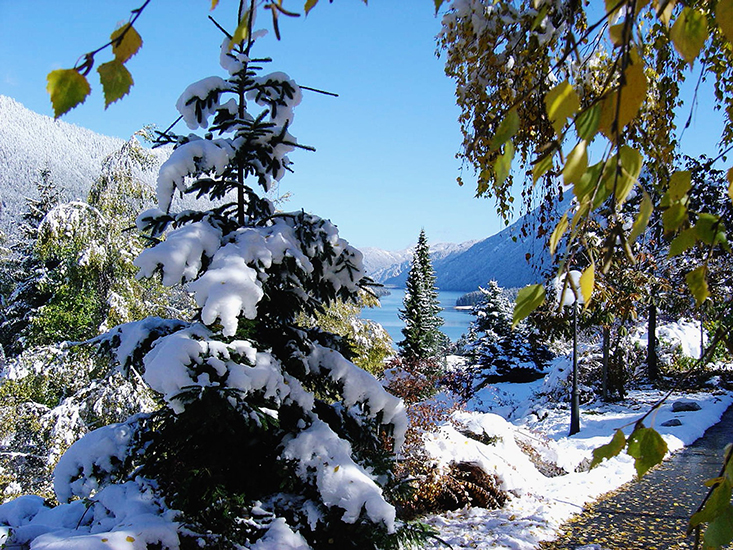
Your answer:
<point x="606" y="350"/>
<point x="652" y="362"/>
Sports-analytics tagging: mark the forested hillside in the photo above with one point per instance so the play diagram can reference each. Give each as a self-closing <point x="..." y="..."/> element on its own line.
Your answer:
<point x="30" y="142"/>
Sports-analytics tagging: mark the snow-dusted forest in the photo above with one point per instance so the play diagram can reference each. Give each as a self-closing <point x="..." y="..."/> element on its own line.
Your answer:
<point x="183" y="363"/>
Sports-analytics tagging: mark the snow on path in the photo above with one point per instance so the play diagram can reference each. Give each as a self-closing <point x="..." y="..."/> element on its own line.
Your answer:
<point x="539" y="505"/>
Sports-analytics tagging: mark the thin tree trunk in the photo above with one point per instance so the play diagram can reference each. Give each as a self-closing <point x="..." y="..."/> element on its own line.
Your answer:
<point x="606" y="350"/>
<point x="652" y="362"/>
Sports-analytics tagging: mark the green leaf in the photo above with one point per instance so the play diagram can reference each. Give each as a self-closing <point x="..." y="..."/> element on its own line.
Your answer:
<point x="720" y="531"/>
<point x="560" y="103"/>
<point x="689" y="33"/>
<point x="125" y="42"/>
<point x="438" y="4"/>
<point x="679" y="184"/>
<point x="631" y="163"/>
<point x="67" y="89"/>
<point x="529" y="298"/>
<point x="506" y="130"/>
<point x="710" y="229"/>
<point x="588" y="182"/>
<point x="683" y="242"/>
<point x="558" y="232"/>
<point x="641" y="222"/>
<point x="310" y="4"/>
<point x="241" y="34"/>
<point x="542" y="166"/>
<point x="697" y="283"/>
<point x="715" y="505"/>
<point x="609" y="450"/>
<point x="116" y="81"/>
<point x="673" y="217"/>
<point x="647" y="447"/>
<point x="724" y="18"/>
<point x="575" y="164"/>
<point x="587" y="121"/>
<point x="503" y="164"/>
<point x="587" y="283"/>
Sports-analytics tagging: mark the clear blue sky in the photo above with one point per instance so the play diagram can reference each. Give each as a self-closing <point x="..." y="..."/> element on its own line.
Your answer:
<point x="385" y="164"/>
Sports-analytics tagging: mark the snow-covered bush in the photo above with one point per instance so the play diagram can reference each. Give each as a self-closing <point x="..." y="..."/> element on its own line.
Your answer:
<point x="49" y="398"/>
<point x="267" y="436"/>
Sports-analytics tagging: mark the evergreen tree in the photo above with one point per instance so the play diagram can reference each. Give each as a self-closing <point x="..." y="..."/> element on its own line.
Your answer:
<point x="268" y="437"/>
<point x="498" y="352"/>
<point x="22" y="271"/>
<point x="421" y="313"/>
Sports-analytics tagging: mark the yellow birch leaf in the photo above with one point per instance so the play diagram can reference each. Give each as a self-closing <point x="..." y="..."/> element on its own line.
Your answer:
<point x="503" y="164"/>
<point x="673" y="217"/>
<point x="689" y="33"/>
<point x="528" y="299"/>
<point x="241" y="34"/>
<point x="541" y="167"/>
<point x="587" y="283"/>
<point x="506" y="130"/>
<point x="632" y="96"/>
<point x="214" y="3"/>
<point x="697" y="283"/>
<point x="67" y="89"/>
<point x="634" y="91"/>
<point x="116" y="81"/>
<point x="631" y="163"/>
<point x="558" y="232"/>
<point x="679" y="184"/>
<point x="683" y="242"/>
<point x="730" y="184"/>
<point x="664" y="9"/>
<point x="612" y="6"/>
<point x="608" y="114"/>
<point x="608" y="451"/>
<point x="586" y="123"/>
<point x="310" y="4"/>
<point x="125" y="42"/>
<point x="616" y="32"/>
<point x="641" y="222"/>
<point x="575" y="164"/>
<point x="724" y="18"/>
<point x="560" y="103"/>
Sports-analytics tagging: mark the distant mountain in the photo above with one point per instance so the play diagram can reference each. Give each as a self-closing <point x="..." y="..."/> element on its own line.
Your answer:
<point x="501" y="257"/>
<point x="383" y="265"/>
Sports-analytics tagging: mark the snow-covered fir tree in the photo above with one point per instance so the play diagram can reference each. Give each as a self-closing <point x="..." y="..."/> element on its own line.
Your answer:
<point x="267" y="437"/>
<point x="421" y="311"/>
<point x="22" y="270"/>
<point x="498" y="352"/>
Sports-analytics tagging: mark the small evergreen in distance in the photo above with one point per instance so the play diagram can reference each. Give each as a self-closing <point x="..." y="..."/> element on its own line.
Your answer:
<point x="421" y="313"/>
<point x="497" y="352"/>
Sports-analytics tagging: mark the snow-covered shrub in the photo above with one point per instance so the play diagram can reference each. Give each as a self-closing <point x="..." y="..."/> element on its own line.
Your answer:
<point x="267" y="436"/>
<point x="49" y="398"/>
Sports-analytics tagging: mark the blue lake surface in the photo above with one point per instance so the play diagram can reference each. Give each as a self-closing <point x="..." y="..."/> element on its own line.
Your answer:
<point x="456" y="320"/>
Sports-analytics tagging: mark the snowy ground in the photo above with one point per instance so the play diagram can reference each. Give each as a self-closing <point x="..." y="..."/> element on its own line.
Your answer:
<point x="538" y="505"/>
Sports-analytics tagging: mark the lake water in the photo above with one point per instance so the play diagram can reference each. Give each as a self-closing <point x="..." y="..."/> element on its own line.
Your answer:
<point x="456" y="320"/>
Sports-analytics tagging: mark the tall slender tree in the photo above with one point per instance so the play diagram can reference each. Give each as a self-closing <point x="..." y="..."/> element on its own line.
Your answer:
<point x="421" y="312"/>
